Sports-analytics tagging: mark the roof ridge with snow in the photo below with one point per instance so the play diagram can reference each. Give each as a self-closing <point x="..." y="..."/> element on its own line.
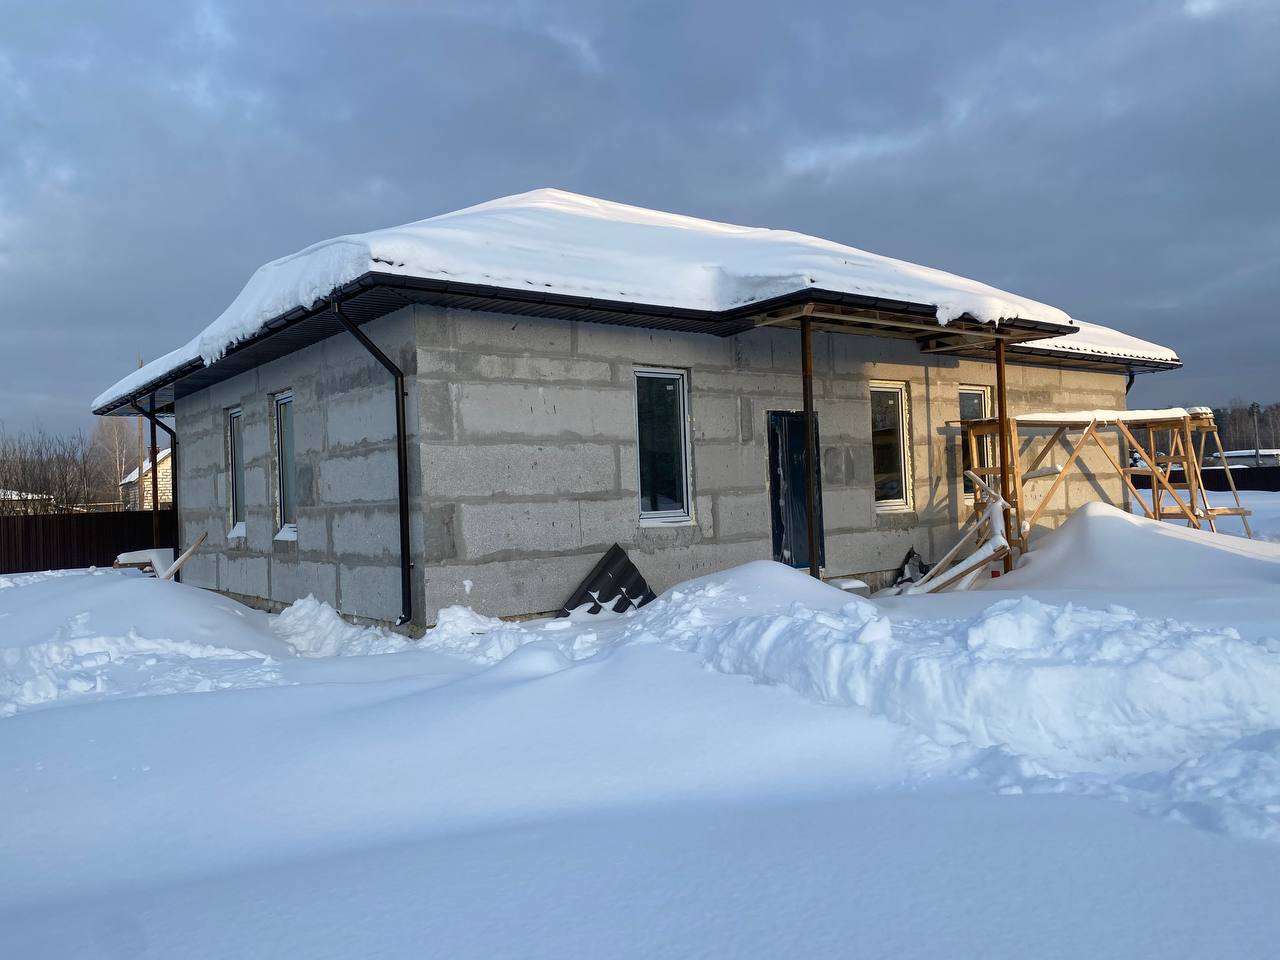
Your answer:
<point x="568" y="244"/>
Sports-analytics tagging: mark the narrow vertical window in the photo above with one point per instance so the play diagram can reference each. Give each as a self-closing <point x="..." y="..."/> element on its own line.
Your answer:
<point x="975" y="404"/>
<point x="662" y="439"/>
<point x="284" y="465"/>
<point x="890" y="445"/>
<point x="235" y="446"/>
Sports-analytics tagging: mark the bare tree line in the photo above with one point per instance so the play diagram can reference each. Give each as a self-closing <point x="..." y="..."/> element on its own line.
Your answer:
<point x="1236" y="425"/>
<point x="44" y="472"/>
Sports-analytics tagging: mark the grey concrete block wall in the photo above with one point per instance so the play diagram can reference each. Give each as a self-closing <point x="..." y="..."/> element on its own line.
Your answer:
<point x="524" y="459"/>
<point x="347" y="547"/>
<point x="530" y="449"/>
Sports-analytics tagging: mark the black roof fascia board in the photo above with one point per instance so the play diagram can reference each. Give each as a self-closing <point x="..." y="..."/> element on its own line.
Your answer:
<point x="250" y="352"/>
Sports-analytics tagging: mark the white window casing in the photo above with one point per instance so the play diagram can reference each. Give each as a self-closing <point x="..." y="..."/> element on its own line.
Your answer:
<point x="892" y="475"/>
<point x="674" y="504"/>
<point x="286" y="517"/>
<point x="235" y="473"/>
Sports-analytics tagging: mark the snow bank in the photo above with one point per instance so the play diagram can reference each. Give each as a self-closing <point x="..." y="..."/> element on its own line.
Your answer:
<point x="73" y="635"/>
<point x="1102" y="548"/>
<point x="88" y="634"/>
<point x="1064" y="693"/>
<point x="564" y="243"/>
<point x="1031" y="694"/>
<point x="312" y="628"/>
<point x="1072" y="688"/>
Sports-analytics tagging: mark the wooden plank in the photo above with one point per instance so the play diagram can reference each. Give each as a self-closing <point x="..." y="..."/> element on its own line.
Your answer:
<point x="1044" y="451"/>
<point x="1066" y="467"/>
<point x="1002" y="415"/>
<point x="1157" y="478"/>
<point x="1127" y="482"/>
<point x="1231" y="482"/>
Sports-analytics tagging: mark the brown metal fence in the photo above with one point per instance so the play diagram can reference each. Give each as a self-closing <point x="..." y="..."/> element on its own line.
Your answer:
<point x="65" y="541"/>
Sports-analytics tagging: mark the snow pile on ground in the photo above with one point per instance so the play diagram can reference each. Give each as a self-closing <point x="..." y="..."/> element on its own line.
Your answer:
<point x="754" y="764"/>
<point x="93" y="634"/>
<point x="312" y="628"/>
<point x="90" y="634"/>
<point x="1102" y="548"/>
<point x="1062" y="690"/>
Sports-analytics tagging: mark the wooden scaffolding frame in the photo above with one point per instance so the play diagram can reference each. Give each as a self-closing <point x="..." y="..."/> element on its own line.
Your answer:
<point x="1175" y="441"/>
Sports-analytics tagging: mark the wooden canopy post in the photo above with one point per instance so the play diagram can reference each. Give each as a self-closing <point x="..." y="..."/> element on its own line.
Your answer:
<point x="810" y="443"/>
<point x="155" y="479"/>
<point x="1002" y="411"/>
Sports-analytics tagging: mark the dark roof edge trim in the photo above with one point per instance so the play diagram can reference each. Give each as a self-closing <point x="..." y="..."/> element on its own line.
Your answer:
<point x="728" y="322"/>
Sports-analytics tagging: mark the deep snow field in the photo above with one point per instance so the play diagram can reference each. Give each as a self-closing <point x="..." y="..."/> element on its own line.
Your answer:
<point x="1081" y="759"/>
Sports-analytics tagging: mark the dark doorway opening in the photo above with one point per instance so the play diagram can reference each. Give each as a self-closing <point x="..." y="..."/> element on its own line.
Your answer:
<point x="788" y="497"/>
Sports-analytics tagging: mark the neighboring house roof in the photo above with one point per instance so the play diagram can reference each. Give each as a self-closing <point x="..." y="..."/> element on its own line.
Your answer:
<point x="1264" y="452"/>
<point x="20" y="495"/>
<point x="146" y="467"/>
<point x="556" y="252"/>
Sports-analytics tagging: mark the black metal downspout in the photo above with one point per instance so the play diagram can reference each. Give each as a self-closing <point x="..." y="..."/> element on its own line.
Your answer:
<point x="1128" y="383"/>
<point x="402" y="463"/>
<point x="173" y="473"/>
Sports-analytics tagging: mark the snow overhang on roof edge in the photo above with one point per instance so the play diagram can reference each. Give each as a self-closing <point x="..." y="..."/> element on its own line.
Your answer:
<point x="553" y="253"/>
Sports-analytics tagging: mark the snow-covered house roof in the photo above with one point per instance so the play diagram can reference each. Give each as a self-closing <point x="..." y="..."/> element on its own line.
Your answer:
<point x="21" y="495"/>
<point x="1250" y="452"/>
<point x="146" y="467"/>
<point x="1093" y="340"/>
<point x="550" y="245"/>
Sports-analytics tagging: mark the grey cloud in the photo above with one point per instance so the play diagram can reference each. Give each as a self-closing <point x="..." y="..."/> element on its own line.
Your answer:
<point x="1116" y="159"/>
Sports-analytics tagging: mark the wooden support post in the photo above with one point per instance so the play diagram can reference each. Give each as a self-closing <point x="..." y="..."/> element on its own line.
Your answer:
<point x="1191" y="474"/>
<point x="1002" y="411"/>
<point x="1231" y="482"/>
<point x="1015" y="460"/>
<point x="1156" y="506"/>
<point x="810" y="443"/>
<point x="155" y="479"/>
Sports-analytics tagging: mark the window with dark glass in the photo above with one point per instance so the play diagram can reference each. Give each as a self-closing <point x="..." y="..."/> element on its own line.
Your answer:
<point x="284" y="459"/>
<point x="889" y="445"/>
<point x="235" y="444"/>
<point x="662" y="442"/>
<point x="975" y="404"/>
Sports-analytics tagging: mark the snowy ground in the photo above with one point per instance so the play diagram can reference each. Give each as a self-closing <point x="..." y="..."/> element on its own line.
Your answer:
<point x="1082" y="759"/>
<point x="1264" y="521"/>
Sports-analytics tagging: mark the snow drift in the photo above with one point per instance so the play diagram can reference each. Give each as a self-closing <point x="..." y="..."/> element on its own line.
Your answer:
<point x="1062" y="694"/>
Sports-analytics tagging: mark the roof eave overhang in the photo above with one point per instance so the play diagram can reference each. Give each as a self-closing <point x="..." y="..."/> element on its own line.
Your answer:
<point x="375" y="294"/>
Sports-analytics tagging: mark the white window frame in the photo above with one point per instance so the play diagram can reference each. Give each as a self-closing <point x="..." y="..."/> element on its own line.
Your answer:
<point x="284" y="531"/>
<point x="985" y="446"/>
<point x="237" y="527"/>
<point x="903" y="390"/>
<point x="657" y="518"/>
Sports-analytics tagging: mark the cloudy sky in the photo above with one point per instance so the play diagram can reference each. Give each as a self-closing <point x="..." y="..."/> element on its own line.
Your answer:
<point x="1119" y="160"/>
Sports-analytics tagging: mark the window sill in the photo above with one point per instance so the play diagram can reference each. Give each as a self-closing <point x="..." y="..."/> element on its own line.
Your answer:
<point x="236" y="532"/>
<point x="667" y="522"/>
<point x="896" y="518"/>
<point x="288" y="533"/>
